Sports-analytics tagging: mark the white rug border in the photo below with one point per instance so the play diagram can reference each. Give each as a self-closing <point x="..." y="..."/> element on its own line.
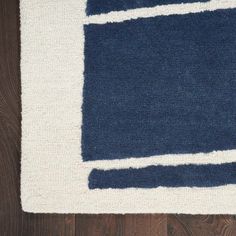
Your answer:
<point x="54" y="179"/>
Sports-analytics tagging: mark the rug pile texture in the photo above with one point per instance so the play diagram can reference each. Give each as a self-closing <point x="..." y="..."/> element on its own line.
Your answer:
<point x="128" y="106"/>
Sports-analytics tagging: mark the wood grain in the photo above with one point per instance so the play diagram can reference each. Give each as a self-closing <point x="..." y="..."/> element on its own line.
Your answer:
<point x="119" y="225"/>
<point x="181" y="225"/>
<point x="13" y="222"/>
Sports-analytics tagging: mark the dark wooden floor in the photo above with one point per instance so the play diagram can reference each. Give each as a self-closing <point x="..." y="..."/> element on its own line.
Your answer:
<point x="13" y="222"/>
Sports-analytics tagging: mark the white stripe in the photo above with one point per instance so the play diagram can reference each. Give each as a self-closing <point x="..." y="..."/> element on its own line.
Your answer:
<point x="217" y="157"/>
<point x="164" y="10"/>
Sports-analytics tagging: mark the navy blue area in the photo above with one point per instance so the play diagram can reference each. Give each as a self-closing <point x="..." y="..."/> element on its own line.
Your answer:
<point x="166" y="176"/>
<point x="104" y="6"/>
<point x="164" y="85"/>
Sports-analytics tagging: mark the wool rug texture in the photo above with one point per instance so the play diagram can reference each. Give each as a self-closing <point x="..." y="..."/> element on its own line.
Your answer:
<point x="128" y="106"/>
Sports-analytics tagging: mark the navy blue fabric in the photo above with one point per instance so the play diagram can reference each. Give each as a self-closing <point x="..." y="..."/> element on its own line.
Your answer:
<point x="104" y="6"/>
<point x="166" y="176"/>
<point x="164" y="85"/>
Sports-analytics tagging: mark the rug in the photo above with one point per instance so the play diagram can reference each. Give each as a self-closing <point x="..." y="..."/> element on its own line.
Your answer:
<point x="128" y="106"/>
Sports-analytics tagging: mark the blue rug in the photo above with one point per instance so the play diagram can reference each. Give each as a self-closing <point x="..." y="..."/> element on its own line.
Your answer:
<point x="144" y="96"/>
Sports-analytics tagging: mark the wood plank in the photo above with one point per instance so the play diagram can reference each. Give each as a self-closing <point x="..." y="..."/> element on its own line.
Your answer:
<point x="201" y="225"/>
<point x="122" y="225"/>
<point x="13" y="222"/>
<point x="96" y="225"/>
<point x="48" y="224"/>
<point x="146" y="224"/>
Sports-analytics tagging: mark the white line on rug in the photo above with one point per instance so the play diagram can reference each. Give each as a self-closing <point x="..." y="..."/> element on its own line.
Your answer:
<point x="164" y="10"/>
